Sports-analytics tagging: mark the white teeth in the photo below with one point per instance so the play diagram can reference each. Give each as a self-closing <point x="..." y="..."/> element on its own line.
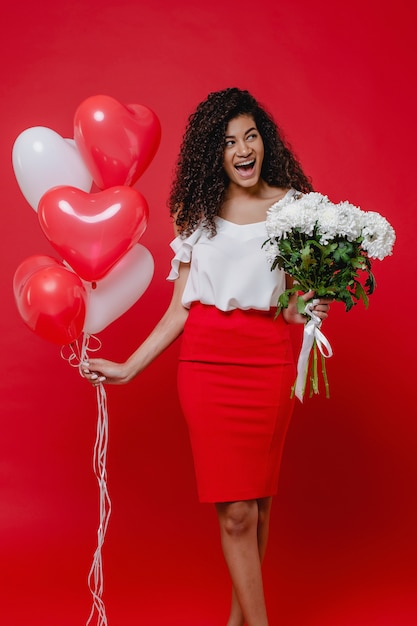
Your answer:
<point x="245" y="163"/>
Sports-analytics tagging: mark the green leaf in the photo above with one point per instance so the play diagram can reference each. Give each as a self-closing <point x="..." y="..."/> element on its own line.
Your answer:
<point x="307" y="257"/>
<point x="370" y="283"/>
<point x="283" y="300"/>
<point x="301" y="305"/>
<point x="361" y="294"/>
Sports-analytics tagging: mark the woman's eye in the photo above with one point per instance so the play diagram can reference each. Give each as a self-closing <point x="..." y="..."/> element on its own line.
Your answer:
<point x="229" y="143"/>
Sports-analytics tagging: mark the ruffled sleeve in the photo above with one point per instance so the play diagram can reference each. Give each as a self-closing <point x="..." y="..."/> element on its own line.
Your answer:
<point x="182" y="252"/>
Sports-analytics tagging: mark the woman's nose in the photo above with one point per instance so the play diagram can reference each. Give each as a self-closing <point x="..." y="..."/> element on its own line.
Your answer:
<point x="243" y="149"/>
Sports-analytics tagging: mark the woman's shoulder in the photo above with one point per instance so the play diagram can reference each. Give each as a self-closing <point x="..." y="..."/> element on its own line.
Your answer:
<point x="288" y="196"/>
<point x="182" y="240"/>
<point x="275" y="194"/>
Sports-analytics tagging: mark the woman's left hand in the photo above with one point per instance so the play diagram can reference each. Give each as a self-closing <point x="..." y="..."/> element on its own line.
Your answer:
<point x="320" y="307"/>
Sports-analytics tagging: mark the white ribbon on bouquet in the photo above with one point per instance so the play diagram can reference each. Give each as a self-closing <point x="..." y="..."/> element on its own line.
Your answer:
<point x="311" y="333"/>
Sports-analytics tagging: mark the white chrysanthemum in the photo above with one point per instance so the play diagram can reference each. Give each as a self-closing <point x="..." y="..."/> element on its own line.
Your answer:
<point x="378" y="235"/>
<point x="303" y="212"/>
<point x="311" y="205"/>
<point x="280" y="221"/>
<point x="300" y="213"/>
<point x="351" y="221"/>
<point x="342" y="220"/>
<point x="313" y="200"/>
<point x="328" y="222"/>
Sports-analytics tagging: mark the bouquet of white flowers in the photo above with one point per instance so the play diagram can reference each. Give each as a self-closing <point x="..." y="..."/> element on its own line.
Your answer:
<point x="326" y="248"/>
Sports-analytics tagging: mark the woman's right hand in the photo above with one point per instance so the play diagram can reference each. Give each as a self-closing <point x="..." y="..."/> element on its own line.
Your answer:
<point x="98" y="371"/>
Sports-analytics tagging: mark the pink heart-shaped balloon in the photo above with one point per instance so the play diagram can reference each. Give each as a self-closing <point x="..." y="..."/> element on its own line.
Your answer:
<point x="50" y="298"/>
<point x="93" y="231"/>
<point x="116" y="142"/>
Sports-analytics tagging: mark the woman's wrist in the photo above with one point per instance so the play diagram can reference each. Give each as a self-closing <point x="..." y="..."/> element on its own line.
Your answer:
<point x="129" y="369"/>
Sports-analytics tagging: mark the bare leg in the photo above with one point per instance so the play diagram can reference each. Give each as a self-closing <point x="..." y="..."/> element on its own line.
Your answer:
<point x="244" y="535"/>
<point x="264" y="508"/>
<point x="264" y="512"/>
<point x="236" y="616"/>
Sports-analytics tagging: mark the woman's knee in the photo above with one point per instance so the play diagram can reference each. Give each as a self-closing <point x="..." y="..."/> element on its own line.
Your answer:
<point x="238" y="518"/>
<point x="264" y="511"/>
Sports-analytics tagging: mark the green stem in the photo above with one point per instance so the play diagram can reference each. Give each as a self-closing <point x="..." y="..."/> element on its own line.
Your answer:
<point x="314" y="377"/>
<point x="324" y="372"/>
<point x="306" y="374"/>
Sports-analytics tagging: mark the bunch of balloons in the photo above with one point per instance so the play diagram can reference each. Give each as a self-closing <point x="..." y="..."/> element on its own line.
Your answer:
<point x="103" y="270"/>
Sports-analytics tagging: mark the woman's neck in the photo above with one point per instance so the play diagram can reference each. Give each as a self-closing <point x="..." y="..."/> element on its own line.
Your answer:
<point x="257" y="192"/>
<point x="248" y="205"/>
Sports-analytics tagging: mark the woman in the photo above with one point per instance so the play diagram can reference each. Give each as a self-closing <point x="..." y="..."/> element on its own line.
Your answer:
<point x="236" y="366"/>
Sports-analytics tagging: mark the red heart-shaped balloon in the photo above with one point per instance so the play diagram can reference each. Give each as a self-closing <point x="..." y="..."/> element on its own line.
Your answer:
<point x="50" y="298"/>
<point x="92" y="231"/>
<point x="116" y="142"/>
<point x="28" y="267"/>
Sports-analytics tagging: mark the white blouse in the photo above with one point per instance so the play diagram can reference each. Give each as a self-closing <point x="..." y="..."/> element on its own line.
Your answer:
<point x="229" y="270"/>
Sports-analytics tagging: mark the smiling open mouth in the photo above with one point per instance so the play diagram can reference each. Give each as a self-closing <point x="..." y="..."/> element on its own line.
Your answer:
<point x="246" y="169"/>
<point x="245" y="166"/>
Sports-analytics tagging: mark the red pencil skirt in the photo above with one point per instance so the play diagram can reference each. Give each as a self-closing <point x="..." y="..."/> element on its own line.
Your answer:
<point x="235" y="374"/>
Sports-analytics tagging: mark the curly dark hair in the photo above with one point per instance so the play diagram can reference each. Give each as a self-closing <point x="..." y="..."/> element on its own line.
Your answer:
<point x="200" y="182"/>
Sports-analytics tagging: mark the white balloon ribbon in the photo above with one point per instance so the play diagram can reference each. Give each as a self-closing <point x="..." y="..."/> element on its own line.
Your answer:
<point x="312" y="334"/>
<point x="78" y="355"/>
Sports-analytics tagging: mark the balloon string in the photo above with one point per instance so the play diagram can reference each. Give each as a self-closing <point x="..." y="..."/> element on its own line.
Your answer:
<point x="96" y="577"/>
<point x="78" y="354"/>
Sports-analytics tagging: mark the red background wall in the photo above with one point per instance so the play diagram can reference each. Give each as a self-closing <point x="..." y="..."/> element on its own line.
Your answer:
<point x="340" y="79"/>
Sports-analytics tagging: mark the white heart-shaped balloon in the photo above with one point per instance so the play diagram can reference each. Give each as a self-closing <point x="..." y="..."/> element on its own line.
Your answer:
<point x="120" y="288"/>
<point x="42" y="159"/>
